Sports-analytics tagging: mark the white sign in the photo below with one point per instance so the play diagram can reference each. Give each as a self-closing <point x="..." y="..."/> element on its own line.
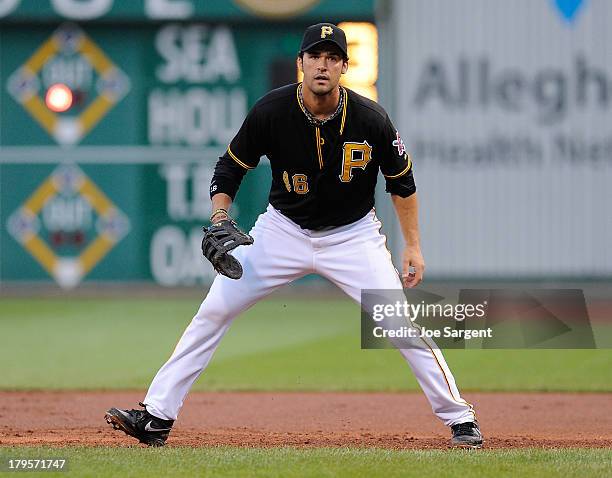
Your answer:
<point x="212" y="107"/>
<point x="506" y="109"/>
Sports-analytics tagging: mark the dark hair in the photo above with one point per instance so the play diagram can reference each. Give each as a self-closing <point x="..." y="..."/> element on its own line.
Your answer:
<point x="332" y="49"/>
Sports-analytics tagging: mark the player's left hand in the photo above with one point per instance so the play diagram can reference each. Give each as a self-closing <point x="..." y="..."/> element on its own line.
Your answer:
<point x="220" y="238"/>
<point x="413" y="267"/>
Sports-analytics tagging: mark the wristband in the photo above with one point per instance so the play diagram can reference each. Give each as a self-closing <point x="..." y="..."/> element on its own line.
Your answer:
<point x="218" y="211"/>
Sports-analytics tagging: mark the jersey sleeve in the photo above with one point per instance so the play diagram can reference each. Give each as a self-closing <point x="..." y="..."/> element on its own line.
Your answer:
<point x="396" y="163"/>
<point x="242" y="154"/>
<point x="247" y="147"/>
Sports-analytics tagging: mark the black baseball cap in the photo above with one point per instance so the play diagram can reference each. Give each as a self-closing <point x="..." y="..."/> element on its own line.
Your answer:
<point x="324" y="32"/>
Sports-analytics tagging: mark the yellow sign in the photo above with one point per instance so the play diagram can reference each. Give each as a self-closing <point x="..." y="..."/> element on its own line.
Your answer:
<point x="68" y="45"/>
<point x="363" y="53"/>
<point x="66" y="202"/>
<point x="277" y="8"/>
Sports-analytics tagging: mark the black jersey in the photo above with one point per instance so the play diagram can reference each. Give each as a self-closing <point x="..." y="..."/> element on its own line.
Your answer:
<point x="322" y="175"/>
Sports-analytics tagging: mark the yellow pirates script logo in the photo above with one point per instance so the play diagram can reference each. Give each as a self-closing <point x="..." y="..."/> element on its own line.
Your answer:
<point x="68" y="85"/>
<point x="68" y="225"/>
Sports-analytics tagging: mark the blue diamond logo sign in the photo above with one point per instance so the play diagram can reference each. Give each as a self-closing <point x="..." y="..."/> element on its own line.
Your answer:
<point x="569" y="8"/>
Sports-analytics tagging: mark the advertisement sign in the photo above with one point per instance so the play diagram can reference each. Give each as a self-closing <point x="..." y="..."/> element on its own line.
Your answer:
<point x="106" y="153"/>
<point x="505" y="107"/>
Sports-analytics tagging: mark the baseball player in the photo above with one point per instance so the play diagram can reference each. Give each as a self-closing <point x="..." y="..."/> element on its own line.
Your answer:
<point x="326" y="145"/>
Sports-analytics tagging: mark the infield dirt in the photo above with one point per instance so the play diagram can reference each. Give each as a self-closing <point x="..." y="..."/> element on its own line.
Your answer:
<point x="386" y="420"/>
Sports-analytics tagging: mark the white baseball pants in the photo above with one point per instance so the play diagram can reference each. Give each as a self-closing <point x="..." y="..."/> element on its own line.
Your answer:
<point x="354" y="257"/>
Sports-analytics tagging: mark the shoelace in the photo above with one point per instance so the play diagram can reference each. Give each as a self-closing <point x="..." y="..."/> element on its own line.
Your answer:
<point x="140" y="414"/>
<point x="464" y="428"/>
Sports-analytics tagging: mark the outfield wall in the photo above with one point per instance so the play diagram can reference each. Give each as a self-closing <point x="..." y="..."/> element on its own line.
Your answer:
<point x="504" y="106"/>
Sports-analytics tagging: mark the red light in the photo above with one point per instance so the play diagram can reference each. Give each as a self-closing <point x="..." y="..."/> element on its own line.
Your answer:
<point x="58" y="98"/>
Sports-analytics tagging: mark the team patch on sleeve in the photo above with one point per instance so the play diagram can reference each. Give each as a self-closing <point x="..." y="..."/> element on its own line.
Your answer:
<point x="399" y="144"/>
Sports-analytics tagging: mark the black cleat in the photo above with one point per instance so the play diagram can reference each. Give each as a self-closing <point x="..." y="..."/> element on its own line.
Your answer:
<point x="466" y="435"/>
<point x="140" y="424"/>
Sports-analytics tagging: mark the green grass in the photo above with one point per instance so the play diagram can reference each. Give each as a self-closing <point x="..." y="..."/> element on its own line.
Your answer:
<point x="280" y="344"/>
<point x="322" y="462"/>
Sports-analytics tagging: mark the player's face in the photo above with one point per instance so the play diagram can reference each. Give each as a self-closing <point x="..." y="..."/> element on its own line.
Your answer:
<point x="322" y="69"/>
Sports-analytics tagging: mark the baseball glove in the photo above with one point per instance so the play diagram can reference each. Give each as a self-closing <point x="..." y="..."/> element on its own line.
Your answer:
<point x="219" y="240"/>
